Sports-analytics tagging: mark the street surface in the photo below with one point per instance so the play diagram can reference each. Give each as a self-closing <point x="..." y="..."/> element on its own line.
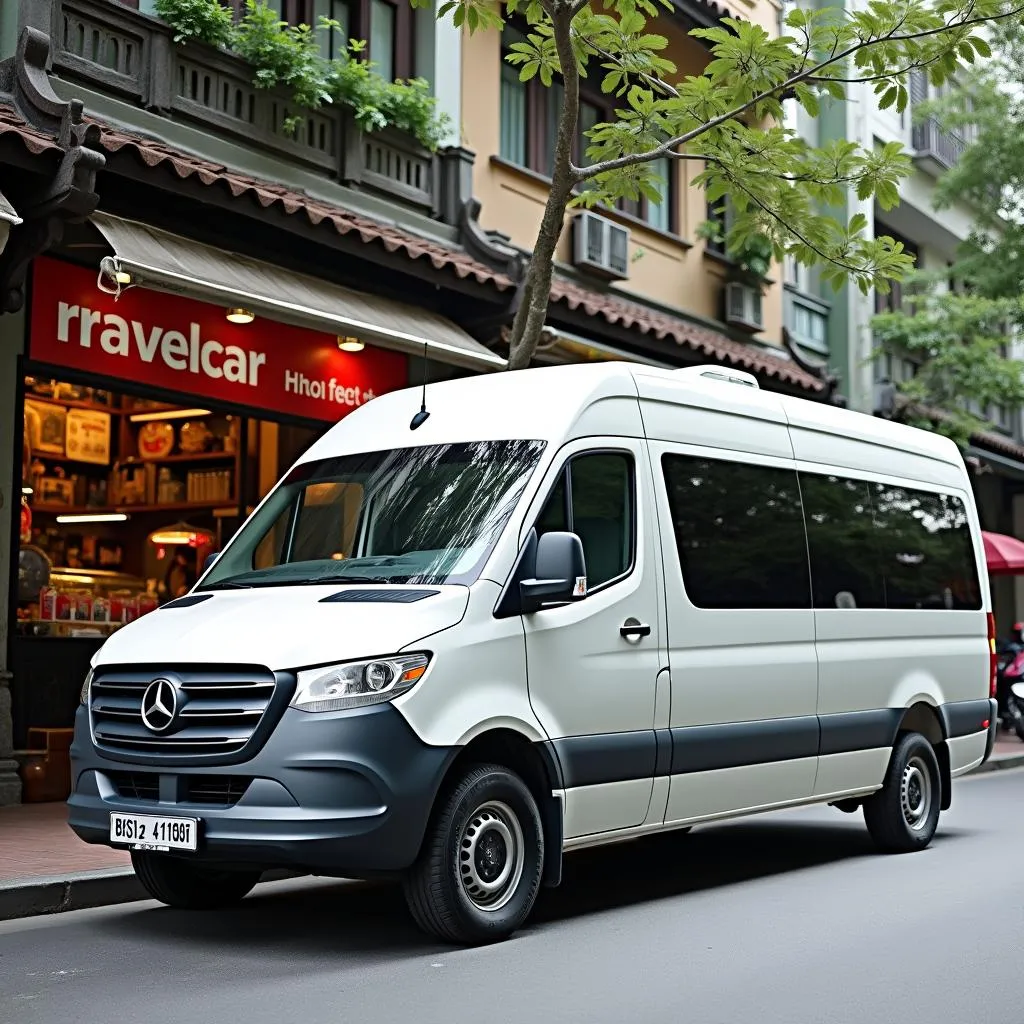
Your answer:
<point x="789" y="919"/>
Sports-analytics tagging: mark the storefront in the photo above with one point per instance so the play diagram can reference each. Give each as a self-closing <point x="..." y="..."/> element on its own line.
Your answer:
<point x="152" y="422"/>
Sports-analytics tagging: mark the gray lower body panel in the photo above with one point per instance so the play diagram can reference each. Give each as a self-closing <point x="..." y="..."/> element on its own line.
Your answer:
<point x="345" y="794"/>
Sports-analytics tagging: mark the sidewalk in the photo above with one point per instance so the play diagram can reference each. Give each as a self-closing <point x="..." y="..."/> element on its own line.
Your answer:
<point x="45" y="868"/>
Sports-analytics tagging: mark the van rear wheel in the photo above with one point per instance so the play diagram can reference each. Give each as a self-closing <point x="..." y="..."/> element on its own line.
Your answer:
<point x="904" y="814"/>
<point x="479" y="872"/>
<point x="186" y="886"/>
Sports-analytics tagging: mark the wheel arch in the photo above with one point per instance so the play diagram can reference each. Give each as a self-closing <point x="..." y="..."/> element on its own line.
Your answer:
<point x="536" y="764"/>
<point x="925" y="718"/>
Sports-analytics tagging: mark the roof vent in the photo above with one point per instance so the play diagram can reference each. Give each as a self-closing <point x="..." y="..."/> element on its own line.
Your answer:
<point x="720" y="373"/>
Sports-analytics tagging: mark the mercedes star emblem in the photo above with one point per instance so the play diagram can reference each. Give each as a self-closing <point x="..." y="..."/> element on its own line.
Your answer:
<point x="159" y="705"/>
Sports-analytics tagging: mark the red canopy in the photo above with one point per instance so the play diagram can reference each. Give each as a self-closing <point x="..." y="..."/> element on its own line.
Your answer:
<point x="1004" y="555"/>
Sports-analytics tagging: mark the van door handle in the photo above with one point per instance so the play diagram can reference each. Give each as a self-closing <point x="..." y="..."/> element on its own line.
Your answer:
<point x="631" y="629"/>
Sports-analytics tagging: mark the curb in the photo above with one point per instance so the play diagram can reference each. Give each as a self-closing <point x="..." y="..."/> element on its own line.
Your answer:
<point x="38" y="896"/>
<point x="55" y="894"/>
<point x="997" y="764"/>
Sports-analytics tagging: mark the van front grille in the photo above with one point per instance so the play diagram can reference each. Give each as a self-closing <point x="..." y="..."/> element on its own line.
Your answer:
<point x="166" y="714"/>
<point x="213" y="790"/>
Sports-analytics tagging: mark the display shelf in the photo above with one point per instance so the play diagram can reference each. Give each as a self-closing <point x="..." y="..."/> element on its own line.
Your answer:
<point x="74" y="403"/>
<point x="82" y="510"/>
<point x="51" y="457"/>
<point x="136" y="460"/>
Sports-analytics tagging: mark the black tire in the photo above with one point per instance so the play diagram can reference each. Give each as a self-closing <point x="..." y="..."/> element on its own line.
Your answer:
<point x="487" y="822"/>
<point x="904" y="814"/>
<point x="186" y="886"/>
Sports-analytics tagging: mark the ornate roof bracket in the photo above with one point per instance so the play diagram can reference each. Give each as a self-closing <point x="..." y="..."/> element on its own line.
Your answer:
<point x="69" y="192"/>
<point x="495" y="250"/>
<point x="831" y="380"/>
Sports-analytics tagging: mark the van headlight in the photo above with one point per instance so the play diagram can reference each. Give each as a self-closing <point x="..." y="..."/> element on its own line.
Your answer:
<point x="86" y="686"/>
<point x="356" y="684"/>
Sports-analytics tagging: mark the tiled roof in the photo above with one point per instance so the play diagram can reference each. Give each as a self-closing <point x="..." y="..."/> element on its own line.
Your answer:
<point x="703" y="340"/>
<point x="154" y="154"/>
<point x="613" y="309"/>
<point x="35" y="142"/>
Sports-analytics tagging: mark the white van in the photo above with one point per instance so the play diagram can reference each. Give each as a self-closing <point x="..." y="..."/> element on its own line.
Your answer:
<point x="569" y="607"/>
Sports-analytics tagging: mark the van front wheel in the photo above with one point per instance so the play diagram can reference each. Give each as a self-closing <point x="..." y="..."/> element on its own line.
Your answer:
<point x="904" y="814"/>
<point x="479" y="871"/>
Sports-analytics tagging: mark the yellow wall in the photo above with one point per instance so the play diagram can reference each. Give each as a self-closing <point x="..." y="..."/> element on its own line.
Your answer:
<point x="672" y="271"/>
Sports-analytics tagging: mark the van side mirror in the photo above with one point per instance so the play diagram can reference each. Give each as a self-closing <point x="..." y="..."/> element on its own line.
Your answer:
<point x="560" y="573"/>
<point x="209" y="560"/>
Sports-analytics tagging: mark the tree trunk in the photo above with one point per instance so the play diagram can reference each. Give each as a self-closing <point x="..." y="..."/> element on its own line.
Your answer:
<point x="533" y="310"/>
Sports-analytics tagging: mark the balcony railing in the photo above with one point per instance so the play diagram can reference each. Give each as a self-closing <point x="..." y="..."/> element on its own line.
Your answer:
<point x="932" y="143"/>
<point x="120" y="52"/>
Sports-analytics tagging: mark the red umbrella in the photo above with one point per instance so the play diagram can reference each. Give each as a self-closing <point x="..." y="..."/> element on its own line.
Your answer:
<point x="1004" y="555"/>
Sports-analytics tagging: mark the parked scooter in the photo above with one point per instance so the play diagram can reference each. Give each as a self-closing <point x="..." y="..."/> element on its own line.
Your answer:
<point x="1010" y="681"/>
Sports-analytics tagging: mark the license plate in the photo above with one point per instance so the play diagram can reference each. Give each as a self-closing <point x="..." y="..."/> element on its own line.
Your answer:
<point x="149" y="832"/>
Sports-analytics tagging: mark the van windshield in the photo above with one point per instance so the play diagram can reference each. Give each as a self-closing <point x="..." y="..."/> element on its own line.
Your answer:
<point x="427" y="515"/>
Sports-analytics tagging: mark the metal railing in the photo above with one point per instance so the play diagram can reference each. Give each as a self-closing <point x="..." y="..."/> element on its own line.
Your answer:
<point x="930" y="139"/>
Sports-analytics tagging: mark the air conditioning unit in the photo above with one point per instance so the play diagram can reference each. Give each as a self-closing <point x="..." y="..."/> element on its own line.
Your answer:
<point x="601" y="246"/>
<point x="743" y="307"/>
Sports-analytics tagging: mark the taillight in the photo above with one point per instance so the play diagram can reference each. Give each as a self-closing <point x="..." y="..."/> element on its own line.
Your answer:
<point x="992" y="660"/>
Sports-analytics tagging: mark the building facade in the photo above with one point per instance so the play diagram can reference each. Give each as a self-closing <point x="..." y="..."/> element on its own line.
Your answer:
<point x="191" y="293"/>
<point x="834" y="328"/>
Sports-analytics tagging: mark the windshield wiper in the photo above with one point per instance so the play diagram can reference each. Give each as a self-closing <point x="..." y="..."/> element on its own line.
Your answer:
<point x="227" y="585"/>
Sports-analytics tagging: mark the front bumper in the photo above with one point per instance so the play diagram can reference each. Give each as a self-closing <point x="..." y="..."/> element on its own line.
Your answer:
<point x="346" y="794"/>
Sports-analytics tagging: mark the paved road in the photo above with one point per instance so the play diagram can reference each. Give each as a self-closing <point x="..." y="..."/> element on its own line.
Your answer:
<point x="787" y="920"/>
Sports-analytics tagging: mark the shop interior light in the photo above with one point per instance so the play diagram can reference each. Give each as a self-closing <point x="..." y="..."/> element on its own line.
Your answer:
<point x="169" y="414"/>
<point x="27" y="490"/>
<point x="349" y="344"/>
<point x="93" y="517"/>
<point x="238" y="315"/>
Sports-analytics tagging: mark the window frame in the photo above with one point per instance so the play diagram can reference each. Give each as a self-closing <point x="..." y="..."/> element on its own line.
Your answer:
<point x="564" y="475"/>
<point x="744" y="460"/>
<point x="538" y="128"/>
<point x="303" y="12"/>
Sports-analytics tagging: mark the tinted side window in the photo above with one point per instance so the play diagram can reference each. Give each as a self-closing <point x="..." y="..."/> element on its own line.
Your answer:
<point x="925" y="547"/>
<point x="599" y="512"/>
<point x="740" y="533"/>
<point x="845" y="566"/>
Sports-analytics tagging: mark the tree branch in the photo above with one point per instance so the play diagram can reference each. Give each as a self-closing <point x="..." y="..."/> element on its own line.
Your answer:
<point x="532" y="311"/>
<point x="853" y="269"/>
<point x="580" y="174"/>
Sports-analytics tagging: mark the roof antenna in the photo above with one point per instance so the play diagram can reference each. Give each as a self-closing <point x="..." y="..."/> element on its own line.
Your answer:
<point x="421" y="417"/>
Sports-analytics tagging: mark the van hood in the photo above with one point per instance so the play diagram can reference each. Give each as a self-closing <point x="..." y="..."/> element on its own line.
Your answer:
<point x="285" y="628"/>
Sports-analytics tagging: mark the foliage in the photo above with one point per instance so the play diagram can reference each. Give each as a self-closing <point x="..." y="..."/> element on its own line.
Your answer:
<point x="729" y="120"/>
<point x="988" y="103"/>
<point x="958" y="337"/>
<point x="752" y="259"/>
<point x="197" y="19"/>
<point x="957" y="340"/>
<point x="289" y="56"/>
<point x="406" y="105"/>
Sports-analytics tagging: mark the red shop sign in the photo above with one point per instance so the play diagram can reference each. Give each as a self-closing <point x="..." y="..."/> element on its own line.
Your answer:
<point x="177" y="344"/>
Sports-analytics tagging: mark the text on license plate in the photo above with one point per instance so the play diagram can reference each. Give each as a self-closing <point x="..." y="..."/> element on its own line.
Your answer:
<point x="149" y="832"/>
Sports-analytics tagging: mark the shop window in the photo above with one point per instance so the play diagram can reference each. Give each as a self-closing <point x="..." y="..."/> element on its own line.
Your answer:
<point x="528" y="120"/>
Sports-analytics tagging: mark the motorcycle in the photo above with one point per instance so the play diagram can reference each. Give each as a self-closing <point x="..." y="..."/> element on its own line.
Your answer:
<point x="1010" y="683"/>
